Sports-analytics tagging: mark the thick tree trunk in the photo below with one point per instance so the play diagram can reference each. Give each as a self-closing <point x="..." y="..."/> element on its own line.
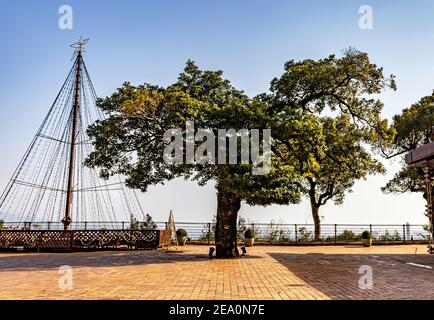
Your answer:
<point x="228" y="205"/>
<point x="316" y="220"/>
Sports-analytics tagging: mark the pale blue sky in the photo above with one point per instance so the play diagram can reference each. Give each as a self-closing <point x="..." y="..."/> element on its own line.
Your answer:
<point x="149" y="41"/>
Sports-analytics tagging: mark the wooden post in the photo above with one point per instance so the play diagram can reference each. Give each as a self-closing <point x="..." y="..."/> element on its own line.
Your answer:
<point x="336" y="233"/>
<point x="296" y="235"/>
<point x="403" y="232"/>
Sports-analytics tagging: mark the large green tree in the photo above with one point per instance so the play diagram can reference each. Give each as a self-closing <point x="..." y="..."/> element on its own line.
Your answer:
<point x="130" y="141"/>
<point x="414" y="127"/>
<point x="328" y="154"/>
<point x="336" y="158"/>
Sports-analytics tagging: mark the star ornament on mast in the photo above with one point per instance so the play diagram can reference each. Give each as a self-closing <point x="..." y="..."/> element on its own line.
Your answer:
<point x="79" y="46"/>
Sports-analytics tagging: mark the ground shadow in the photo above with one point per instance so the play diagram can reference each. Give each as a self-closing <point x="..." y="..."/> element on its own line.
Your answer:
<point x="40" y="261"/>
<point x="395" y="276"/>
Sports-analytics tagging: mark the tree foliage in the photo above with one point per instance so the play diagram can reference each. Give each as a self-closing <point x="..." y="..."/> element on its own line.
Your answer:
<point x="344" y="85"/>
<point x="328" y="164"/>
<point x="130" y="141"/>
<point x="306" y="146"/>
<point x="414" y="127"/>
<point x="339" y="160"/>
<point x="147" y="224"/>
<point x="329" y="154"/>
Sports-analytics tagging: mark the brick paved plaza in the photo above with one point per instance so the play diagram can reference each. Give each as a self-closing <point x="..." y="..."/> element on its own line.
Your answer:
<point x="322" y="272"/>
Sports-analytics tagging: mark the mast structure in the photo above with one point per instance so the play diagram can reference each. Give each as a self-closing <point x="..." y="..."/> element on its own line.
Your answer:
<point x="52" y="187"/>
<point x="67" y="220"/>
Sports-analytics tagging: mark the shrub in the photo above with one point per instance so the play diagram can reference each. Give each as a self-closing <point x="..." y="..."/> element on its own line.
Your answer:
<point x="249" y="233"/>
<point x="182" y="233"/>
<point x="148" y="224"/>
<point x="387" y="236"/>
<point x="366" y="235"/>
<point x="241" y="227"/>
<point x="304" y="234"/>
<point x="208" y="231"/>
<point x="347" y="235"/>
<point x="276" y="231"/>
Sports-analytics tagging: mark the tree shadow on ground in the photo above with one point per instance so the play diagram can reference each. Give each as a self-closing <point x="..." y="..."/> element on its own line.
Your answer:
<point x="40" y="261"/>
<point x="338" y="275"/>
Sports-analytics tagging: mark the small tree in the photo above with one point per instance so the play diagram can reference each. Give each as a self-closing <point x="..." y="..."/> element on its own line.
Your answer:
<point x="2" y="224"/>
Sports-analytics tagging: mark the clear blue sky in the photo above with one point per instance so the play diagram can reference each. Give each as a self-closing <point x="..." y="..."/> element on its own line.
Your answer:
<point x="149" y="41"/>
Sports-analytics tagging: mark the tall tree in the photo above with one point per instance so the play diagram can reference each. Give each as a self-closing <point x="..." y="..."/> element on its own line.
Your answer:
<point x="130" y="141"/>
<point x="332" y="157"/>
<point x="414" y="127"/>
<point x="336" y="157"/>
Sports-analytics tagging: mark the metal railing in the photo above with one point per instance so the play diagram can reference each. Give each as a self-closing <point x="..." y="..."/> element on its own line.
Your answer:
<point x="275" y="232"/>
<point x="203" y="232"/>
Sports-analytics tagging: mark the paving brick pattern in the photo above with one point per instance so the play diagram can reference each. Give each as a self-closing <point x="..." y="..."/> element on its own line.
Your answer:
<point x="267" y="272"/>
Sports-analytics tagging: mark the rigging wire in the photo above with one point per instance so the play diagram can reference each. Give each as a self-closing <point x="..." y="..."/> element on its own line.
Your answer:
<point x="38" y="187"/>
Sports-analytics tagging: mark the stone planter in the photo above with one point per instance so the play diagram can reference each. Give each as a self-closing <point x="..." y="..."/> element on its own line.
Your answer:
<point x="249" y="242"/>
<point x="182" y="241"/>
<point x="367" y="242"/>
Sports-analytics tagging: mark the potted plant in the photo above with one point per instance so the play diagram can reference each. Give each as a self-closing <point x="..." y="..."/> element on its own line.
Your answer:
<point x="366" y="239"/>
<point x="181" y="235"/>
<point x="249" y="237"/>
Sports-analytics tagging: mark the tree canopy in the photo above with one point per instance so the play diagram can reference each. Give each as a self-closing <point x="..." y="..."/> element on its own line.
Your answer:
<point x="305" y="145"/>
<point x="341" y="84"/>
<point x="336" y="160"/>
<point x="329" y="154"/>
<point x="414" y="127"/>
<point x="130" y="141"/>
